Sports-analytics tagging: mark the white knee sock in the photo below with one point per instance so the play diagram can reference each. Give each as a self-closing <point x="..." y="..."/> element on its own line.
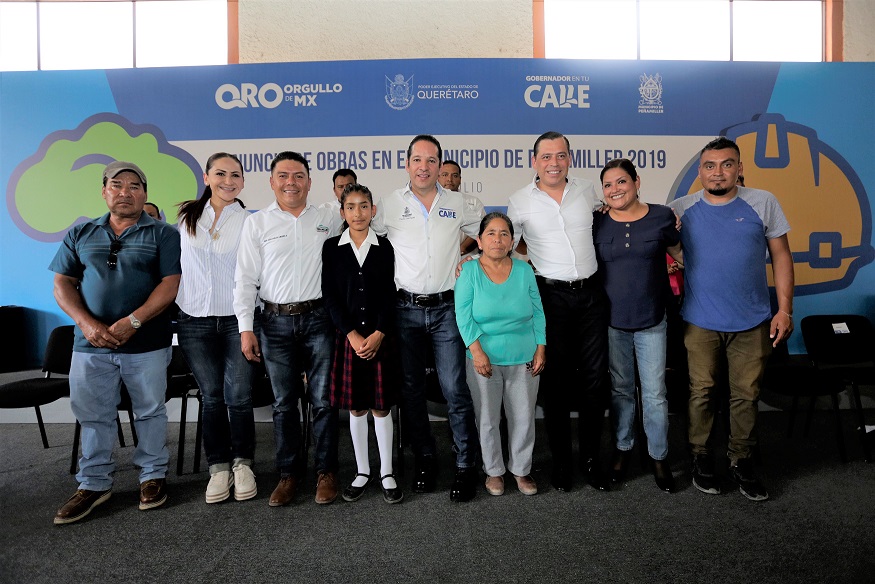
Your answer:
<point x="383" y="428"/>
<point x="358" y="428"/>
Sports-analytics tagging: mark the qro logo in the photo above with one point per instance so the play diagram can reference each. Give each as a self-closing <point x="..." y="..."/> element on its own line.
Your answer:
<point x="269" y="95"/>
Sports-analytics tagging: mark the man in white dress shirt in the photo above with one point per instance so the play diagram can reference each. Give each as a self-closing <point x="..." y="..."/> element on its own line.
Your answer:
<point x="279" y="261"/>
<point x="423" y="221"/>
<point x="554" y="215"/>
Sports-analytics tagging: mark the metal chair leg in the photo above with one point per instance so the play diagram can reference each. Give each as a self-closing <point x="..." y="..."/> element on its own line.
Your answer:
<point x="133" y="425"/>
<point x="198" y="433"/>
<point x="839" y="434"/>
<point x="73" y="458"/>
<point x="399" y="443"/>
<point x="42" y="427"/>
<point x="121" y="434"/>
<point x="180" y="449"/>
<point x="861" y="421"/>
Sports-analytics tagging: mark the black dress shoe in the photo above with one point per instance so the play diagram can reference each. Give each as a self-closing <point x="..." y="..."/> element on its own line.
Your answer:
<point x="662" y="475"/>
<point x="425" y="474"/>
<point x="464" y="485"/>
<point x="353" y="493"/>
<point x="393" y="495"/>
<point x="593" y="474"/>
<point x="561" y="478"/>
<point x="619" y="465"/>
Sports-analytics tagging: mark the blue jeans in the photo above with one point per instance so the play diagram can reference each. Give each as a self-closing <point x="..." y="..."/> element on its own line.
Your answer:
<point x="211" y="346"/>
<point x="648" y="348"/>
<point x="290" y="346"/>
<point x="426" y="329"/>
<point x="95" y="392"/>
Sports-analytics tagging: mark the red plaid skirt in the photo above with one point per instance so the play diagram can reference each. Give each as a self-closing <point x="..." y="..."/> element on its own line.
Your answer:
<point x="358" y="384"/>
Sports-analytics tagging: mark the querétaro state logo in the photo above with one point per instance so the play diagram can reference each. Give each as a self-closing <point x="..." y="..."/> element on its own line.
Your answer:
<point x="399" y="94"/>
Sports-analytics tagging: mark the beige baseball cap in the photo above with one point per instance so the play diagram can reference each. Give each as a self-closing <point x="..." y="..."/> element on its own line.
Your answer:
<point x="114" y="168"/>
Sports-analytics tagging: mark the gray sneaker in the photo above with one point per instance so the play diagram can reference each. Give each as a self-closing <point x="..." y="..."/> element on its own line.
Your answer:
<point x="703" y="474"/>
<point x="748" y="483"/>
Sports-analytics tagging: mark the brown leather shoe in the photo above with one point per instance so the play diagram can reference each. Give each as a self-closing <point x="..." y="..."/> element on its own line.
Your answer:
<point x="80" y="505"/>
<point x="153" y="493"/>
<point x="495" y="486"/>
<point x="526" y="485"/>
<point x="284" y="492"/>
<point x="326" y="488"/>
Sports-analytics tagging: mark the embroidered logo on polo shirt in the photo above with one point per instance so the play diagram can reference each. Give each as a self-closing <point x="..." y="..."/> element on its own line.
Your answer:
<point x="407" y="214"/>
<point x="444" y="212"/>
<point x="321" y="229"/>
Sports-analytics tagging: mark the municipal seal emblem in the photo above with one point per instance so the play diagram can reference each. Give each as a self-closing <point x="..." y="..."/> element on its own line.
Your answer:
<point x="650" y="89"/>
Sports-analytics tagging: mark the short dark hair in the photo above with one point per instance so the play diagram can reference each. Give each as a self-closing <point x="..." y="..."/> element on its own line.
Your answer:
<point x="454" y="163"/>
<point x="621" y="163"/>
<point x="425" y="138"/>
<point x="551" y="136"/>
<point x="721" y="143"/>
<point x="289" y="155"/>
<point x="344" y="172"/>
<point x="157" y="210"/>
<point x="495" y="215"/>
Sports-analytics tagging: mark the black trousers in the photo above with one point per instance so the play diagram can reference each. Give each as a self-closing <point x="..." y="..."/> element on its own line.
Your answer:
<point x="576" y="376"/>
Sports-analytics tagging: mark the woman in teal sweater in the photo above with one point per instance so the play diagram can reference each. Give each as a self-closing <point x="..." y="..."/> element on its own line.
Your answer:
<point x="500" y="317"/>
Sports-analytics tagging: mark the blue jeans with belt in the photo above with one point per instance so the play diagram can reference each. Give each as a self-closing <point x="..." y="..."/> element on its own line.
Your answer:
<point x="422" y="329"/>
<point x="292" y="345"/>
<point x="211" y="345"/>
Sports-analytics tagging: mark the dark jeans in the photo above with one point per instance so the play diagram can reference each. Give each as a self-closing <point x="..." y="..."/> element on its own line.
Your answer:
<point x="290" y="346"/>
<point x="576" y="375"/>
<point x="426" y="329"/>
<point x="211" y="346"/>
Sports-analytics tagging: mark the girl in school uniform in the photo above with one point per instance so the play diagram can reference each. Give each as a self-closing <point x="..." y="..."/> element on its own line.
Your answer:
<point x="358" y="285"/>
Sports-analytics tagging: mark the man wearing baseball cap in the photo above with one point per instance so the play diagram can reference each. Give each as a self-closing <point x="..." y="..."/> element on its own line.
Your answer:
<point x="115" y="276"/>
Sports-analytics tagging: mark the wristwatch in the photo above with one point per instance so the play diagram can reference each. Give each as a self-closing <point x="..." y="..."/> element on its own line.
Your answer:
<point x="135" y="322"/>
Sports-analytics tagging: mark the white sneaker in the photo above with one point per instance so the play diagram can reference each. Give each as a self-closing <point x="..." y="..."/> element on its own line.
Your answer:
<point x="244" y="482"/>
<point x="219" y="487"/>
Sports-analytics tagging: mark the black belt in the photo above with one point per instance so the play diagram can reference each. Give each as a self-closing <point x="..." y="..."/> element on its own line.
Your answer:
<point x="565" y="284"/>
<point x="292" y="308"/>
<point x="426" y="300"/>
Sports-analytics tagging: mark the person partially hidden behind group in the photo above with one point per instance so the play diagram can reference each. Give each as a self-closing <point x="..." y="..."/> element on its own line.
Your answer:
<point x="500" y="317"/>
<point x="210" y="229"/>
<point x="631" y="241"/>
<point x="358" y="284"/>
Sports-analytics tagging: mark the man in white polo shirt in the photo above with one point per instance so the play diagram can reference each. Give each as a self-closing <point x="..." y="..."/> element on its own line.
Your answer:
<point x="554" y="215"/>
<point x="280" y="261"/>
<point x="423" y="221"/>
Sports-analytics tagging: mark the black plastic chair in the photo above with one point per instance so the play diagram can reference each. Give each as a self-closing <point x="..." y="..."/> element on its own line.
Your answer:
<point x="182" y="384"/>
<point x="842" y="348"/>
<point x="40" y="391"/>
<point x="795" y="376"/>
